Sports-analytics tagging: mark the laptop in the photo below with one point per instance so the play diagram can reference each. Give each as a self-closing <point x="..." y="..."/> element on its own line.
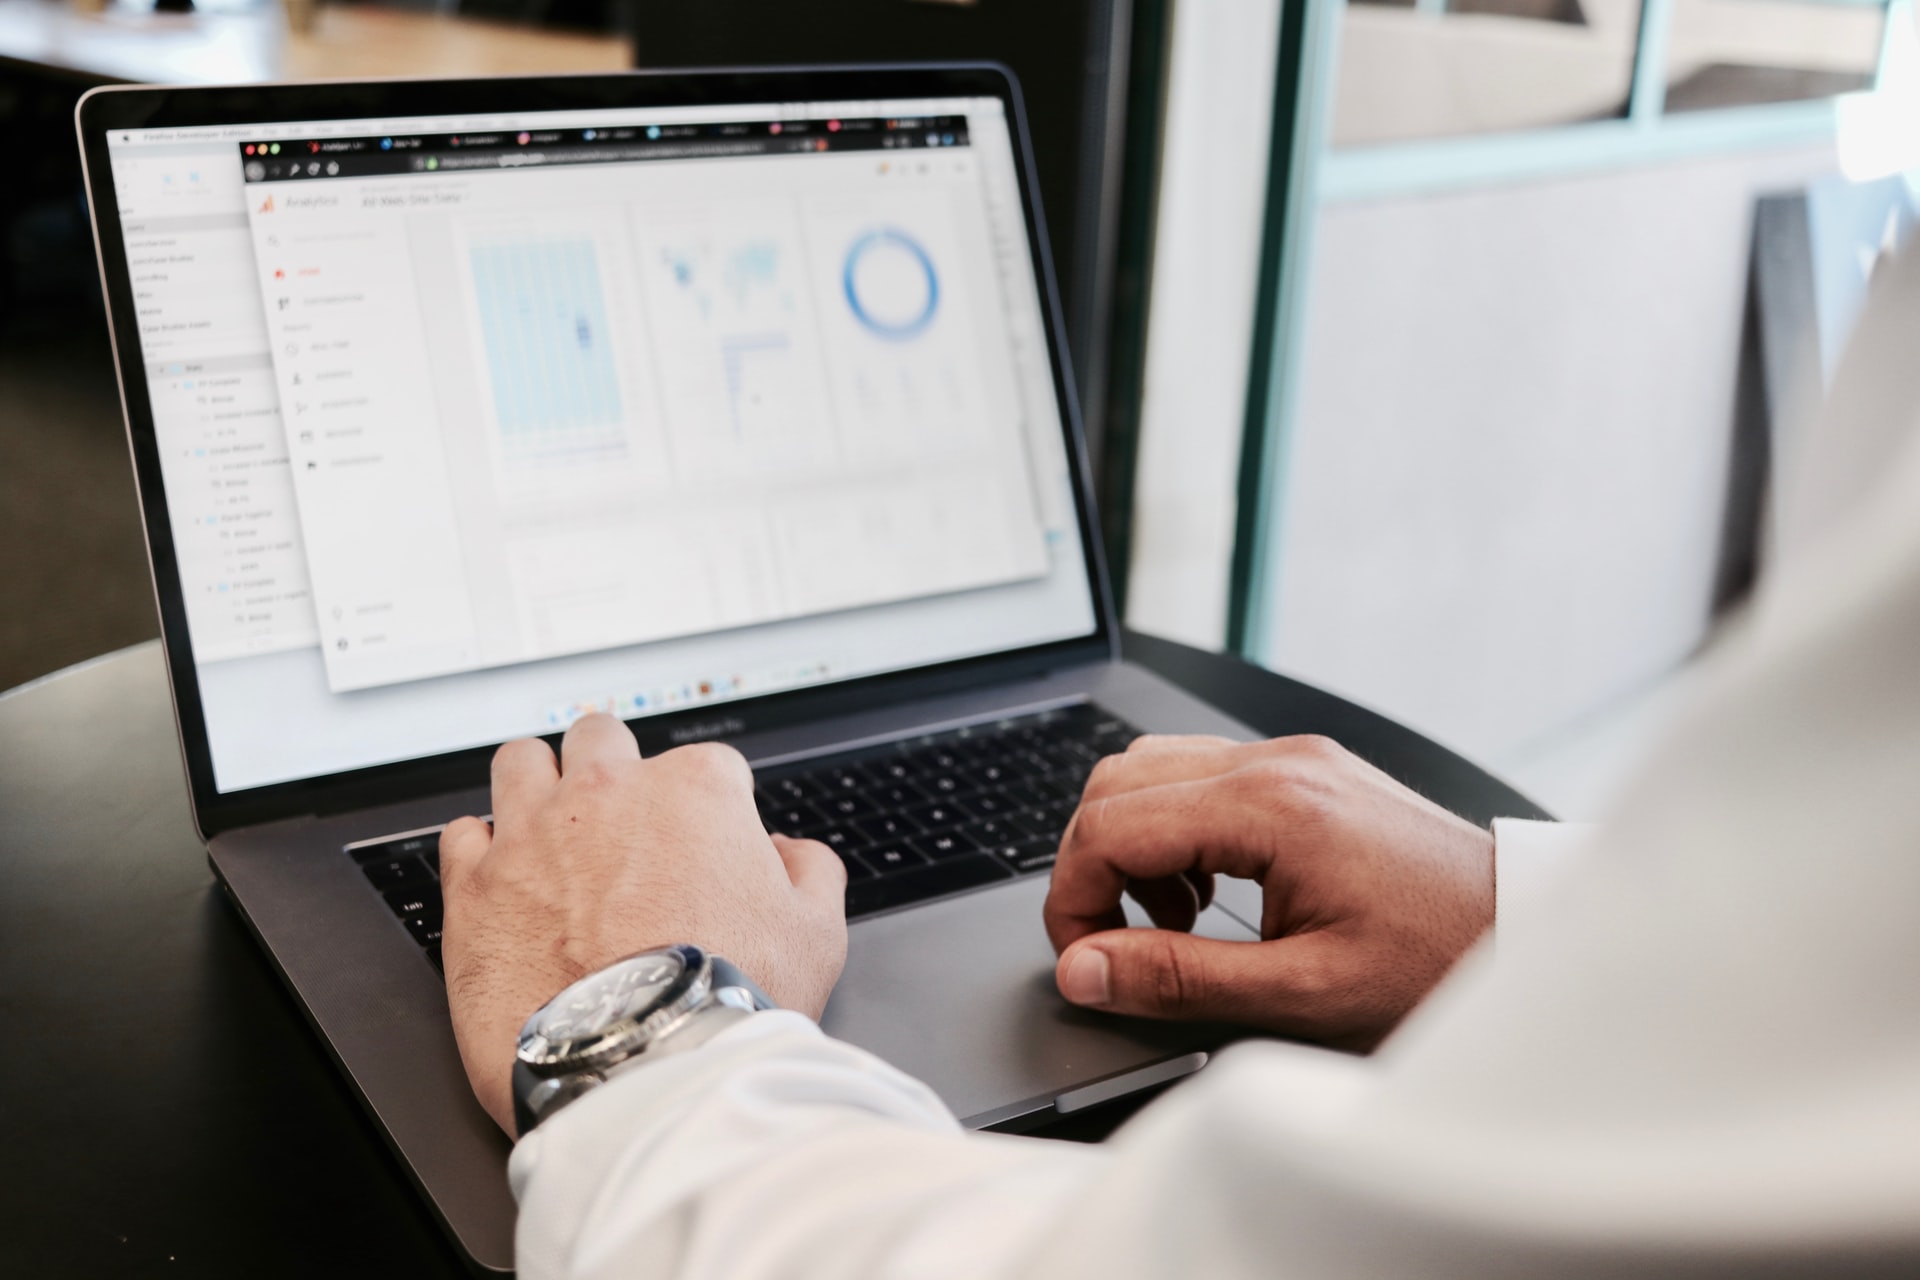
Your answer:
<point x="732" y="403"/>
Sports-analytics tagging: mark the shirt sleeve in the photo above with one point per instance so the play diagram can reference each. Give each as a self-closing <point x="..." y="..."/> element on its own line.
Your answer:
<point x="776" y="1153"/>
<point x="1528" y="859"/>
<point x="774" y="1150"/>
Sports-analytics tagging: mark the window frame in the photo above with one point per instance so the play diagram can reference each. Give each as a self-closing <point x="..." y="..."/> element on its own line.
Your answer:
<point x="1306" y="174"/>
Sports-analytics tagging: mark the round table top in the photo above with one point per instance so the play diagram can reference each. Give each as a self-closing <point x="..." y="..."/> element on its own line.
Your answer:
<point x="166" y="1103"/>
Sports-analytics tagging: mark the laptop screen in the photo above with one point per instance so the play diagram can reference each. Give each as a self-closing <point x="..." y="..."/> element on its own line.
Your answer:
<point x="471" y="425"/>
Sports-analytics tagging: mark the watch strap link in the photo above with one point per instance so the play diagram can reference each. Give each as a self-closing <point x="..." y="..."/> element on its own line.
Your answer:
<point x="728" y="974"/>
<point x="535" y="1096"/>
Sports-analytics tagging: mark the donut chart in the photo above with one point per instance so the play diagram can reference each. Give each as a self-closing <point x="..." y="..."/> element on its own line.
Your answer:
<point x="891" y="285"/>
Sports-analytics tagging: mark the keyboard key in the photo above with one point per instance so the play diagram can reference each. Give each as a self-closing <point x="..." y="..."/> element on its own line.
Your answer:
<point x="991" y="831"/>
<point x="887" y="828"/>
<point x="397" y="873"/>
<point x="838" y="839"/>
<point x="945" y="784"/>
<point x="791" y="818"/>
<point x="897" y="795"/>
<point x="406" y="847"/>
<point x="425" y="929"/>
<point x="840" y="807"/>
<point x="1047" y="824"/>
<point x="414" y="902"/>
<point x="946" y="844"/>
<point x="923" y="882"/>
<point x="1028" y="795"/>
<point x="433" y="954"/>
<point x="892" y="771"/>
<point x="888" y="858"/>
<point x="1070" y="753"/>
<point x="845" y="779"/>
<point x="940" y="815"/>
<point x="1026" y="855"/>
<point x="940" y="759"/>
<point x="989" y="803"/>
<point x="989" y="774"/>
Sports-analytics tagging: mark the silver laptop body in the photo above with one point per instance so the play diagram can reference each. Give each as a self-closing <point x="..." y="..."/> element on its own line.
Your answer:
<point x="344" y="316"/>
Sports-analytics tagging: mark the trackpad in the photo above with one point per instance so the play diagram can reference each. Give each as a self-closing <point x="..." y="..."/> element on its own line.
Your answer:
<point x="961" y="995"/>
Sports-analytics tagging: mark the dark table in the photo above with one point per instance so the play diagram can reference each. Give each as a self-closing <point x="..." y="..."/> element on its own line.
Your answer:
<point x="164" y="1109"/>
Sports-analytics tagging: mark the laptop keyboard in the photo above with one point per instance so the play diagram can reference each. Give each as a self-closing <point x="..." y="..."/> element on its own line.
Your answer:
<point x="914" y="819"/>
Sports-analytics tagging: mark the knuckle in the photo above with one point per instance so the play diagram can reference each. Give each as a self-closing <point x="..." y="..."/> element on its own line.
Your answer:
<point x="1313" y="746"/>
<point x="1106" y="775"/>
<point x="1090" y="822"/>
<point x="711" y="762"/>
<point x="1282" y="784"/>
<point x="593" y="775"/>
<point x="1171" y="981"/>
<point x="1257" y="782"/>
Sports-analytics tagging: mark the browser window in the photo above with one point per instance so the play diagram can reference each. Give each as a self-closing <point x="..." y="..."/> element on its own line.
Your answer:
<point x="558" y="390"/>
<point x="471" y="425"/>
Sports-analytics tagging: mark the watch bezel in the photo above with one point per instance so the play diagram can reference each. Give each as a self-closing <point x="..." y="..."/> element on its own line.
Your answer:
<point x="687" y="994"/>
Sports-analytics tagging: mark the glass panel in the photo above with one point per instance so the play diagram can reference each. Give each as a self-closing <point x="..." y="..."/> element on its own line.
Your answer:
<point x="1731" y="53"/>
<point x="1444" y="69"/>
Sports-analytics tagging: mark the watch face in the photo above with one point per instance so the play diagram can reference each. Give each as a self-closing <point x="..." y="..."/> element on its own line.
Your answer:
<point x="602" y="1002"/>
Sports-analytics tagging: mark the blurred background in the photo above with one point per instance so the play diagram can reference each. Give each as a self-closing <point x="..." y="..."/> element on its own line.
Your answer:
<point x="1443" y="353"/>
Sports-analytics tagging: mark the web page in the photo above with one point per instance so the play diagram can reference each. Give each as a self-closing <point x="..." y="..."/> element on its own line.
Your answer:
<point x="203" y="340"/>
<point x="598" y="437"/>
<point x="551" y="395"/>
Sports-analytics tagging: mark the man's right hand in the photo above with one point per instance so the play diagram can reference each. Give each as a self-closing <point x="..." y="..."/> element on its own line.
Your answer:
<point x="1371" y="891"/>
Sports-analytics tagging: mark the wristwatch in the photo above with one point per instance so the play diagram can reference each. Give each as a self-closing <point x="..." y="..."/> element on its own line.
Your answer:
<point x="634" y="1010"/>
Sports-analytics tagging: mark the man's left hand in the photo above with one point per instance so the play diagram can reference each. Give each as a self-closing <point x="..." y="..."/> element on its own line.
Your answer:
<point x="599" y="854"/>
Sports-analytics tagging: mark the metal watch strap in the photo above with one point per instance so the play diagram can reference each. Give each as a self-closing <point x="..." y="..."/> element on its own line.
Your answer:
<point x="728" y="979"/>
<point x="727" y="974"/>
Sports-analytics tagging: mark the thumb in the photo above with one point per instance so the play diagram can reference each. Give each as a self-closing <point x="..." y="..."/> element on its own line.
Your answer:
<point x="463" y="843"/>
<point x="1158" y="973"/>
<point x="816" y="871"/>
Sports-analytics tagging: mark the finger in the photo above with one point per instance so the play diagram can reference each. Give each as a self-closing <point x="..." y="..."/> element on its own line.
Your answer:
<point x="1171" y="902"/>
<point x="524" y="772"/>
<point x="1158" y="759"/>
<point x="462" y="844"/>
<point x="1155" y="973"/>
<point x="816" y="871"/>
<point x="1207" y="826"/>
<point x="711" y="767"/>
<point x="597" y="739"/>
<point x="1202" y="882"/>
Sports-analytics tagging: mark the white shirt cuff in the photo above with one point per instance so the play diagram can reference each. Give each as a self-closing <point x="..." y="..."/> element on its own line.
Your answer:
<point x="1528" y="859"/>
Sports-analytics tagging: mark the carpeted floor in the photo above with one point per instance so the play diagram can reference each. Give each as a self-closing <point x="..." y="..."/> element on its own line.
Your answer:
<point x="73" y="569"/>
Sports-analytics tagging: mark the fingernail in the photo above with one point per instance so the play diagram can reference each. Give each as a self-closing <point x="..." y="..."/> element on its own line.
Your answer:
<point x="1086" y="978"/>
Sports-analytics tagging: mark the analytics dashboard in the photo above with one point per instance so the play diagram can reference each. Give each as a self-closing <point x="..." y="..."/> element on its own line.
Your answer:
<point x="471" y="425"/>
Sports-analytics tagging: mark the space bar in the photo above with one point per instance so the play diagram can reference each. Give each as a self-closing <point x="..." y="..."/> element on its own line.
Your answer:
<point x="925" y="882"/>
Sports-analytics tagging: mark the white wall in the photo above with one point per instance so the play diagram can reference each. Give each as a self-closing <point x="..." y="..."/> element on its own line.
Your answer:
<point x="1502" y="497"/>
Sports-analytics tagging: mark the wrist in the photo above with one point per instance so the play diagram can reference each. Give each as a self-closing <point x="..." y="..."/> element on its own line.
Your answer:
<point x="639" y="1009"/>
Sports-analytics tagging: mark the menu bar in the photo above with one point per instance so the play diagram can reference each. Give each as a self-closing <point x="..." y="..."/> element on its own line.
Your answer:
<point x="392" y="154"/>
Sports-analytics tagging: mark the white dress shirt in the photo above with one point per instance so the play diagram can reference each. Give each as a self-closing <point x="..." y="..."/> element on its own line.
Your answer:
<point x="1692" y="1048"/>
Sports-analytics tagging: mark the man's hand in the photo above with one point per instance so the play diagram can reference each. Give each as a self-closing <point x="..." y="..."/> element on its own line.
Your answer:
<point x="1371" y="891"/>
<point x="601" y="854"/>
